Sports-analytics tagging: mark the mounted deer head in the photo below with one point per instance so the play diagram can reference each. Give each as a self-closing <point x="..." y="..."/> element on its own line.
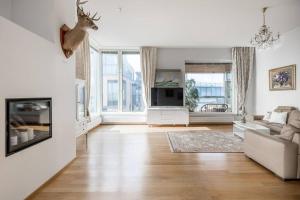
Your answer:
<point x="72" y="38"/>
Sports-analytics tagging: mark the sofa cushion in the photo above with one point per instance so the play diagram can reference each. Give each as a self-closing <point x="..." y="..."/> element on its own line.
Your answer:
<point x="278" y="117"/>
<point x="294" y="118"/>
<point x="275" y="128"/>
<point x="288" y="132"/>
<point x="261" y="122"/>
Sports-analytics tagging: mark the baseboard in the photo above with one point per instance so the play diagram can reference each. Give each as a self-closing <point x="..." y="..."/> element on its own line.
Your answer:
<point x="49" y="180"/>
<point x="211" y="123"/>
<point x="142" y="123"/>
<point x="123" y="123"/>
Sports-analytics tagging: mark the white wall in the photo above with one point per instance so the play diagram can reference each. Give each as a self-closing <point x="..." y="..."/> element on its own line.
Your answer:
<point x="5" y="8"/>
<point x="174" y="58"/>
<point x="32" y="66"/>
<point x="286" y="53"/>
<point x="36" y="16"/>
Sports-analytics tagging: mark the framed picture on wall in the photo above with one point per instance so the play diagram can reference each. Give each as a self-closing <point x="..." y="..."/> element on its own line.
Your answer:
<point x="282" y="78"/>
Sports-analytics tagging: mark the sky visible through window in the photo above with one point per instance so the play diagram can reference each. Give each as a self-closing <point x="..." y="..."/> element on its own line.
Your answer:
<point x="134" y="61"/>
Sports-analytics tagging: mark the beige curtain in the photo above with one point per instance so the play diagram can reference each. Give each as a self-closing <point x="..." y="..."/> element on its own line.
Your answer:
<point x="243" y="61"/>
<point x="83" y="69"/>
<point x="148" y="67"/>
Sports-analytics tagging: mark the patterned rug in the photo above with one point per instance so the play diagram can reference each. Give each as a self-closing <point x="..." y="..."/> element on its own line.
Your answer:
<point x="205" y="142"/>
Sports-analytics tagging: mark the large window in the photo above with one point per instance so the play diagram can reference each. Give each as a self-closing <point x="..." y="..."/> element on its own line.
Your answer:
<point x="110" y="81"/>
<point x="112" y="94"/>
<point x="122" y="82"/>
<point x="132" y="83"/>
<point x="94" y="105"/>
<point x="213" y="85"/>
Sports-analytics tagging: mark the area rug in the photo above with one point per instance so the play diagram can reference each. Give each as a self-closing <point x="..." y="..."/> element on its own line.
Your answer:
<point x="205" y="142"/>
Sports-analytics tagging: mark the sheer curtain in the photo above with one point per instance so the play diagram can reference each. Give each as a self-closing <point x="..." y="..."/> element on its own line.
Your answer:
<point x="83" y="69"/>
<point x="243" y="64"/>
<point x="148" y="67"/>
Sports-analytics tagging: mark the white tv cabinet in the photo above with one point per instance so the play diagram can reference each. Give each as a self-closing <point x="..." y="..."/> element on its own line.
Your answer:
<point x="168" y="116"/>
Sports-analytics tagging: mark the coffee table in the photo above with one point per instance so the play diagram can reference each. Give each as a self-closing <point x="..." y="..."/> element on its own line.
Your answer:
<point x="240" y="128"/>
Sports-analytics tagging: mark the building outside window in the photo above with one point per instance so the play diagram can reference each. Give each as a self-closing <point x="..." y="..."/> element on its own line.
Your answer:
<point x="122" y="82"/>
<point x="110" y="81"/>
<point x="112" y="95"/>
<point x="214" y="85"/>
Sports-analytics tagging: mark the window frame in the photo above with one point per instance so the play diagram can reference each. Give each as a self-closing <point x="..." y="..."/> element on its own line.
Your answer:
<point x="98" y="85"/>
<point x="101" y="77"/>
<point x="120" y="53"/>
<point x="233" y="93"/>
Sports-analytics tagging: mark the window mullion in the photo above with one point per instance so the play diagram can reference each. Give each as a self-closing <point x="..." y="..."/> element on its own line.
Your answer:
<point x="120" y="81"/>
<point x="101" y="81"/>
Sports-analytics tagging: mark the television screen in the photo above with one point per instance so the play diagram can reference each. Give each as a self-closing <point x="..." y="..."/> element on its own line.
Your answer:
<point x="166" y="96"/>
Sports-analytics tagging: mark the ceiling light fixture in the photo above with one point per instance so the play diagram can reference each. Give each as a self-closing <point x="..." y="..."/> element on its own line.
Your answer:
<point x="119" y="9"/>
<point x="264" y="38"/>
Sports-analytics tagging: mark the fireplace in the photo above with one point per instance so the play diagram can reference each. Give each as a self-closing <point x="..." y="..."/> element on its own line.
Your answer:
<point x="28" y="122"/>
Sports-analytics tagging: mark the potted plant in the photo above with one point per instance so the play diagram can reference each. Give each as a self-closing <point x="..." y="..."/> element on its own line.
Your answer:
<point x="191" y="95"/>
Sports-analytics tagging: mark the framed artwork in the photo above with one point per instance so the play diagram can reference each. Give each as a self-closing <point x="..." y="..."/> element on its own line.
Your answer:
<point x="283" y="78"/>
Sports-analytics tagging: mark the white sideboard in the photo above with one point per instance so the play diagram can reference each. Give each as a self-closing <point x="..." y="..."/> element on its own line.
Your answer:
<point x="168" y="116"/>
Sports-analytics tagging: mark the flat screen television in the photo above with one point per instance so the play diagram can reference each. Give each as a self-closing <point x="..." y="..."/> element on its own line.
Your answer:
<point x="166" y="96"/>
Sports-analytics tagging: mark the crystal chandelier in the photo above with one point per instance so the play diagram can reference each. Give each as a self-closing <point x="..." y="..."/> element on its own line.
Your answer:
<point x="264" y="38"/>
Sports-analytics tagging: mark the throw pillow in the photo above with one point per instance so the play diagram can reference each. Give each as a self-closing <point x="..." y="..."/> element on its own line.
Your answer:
<point x="288" y="132"/>
<point x="278" y="117"/>
<point x="294" y="118"/>
<point x="267" y="116"/>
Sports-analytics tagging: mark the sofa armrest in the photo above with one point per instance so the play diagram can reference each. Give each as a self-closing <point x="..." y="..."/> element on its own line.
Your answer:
<point x="254" y="117"/>
<point x="278" y="155"/>
<point x="296" y="140"/>
<point x="258" y="117"/>
<point x="269" y="137"/>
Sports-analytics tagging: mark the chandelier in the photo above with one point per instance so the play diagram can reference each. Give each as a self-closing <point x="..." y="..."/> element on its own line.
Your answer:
<point x="264" y="38"/>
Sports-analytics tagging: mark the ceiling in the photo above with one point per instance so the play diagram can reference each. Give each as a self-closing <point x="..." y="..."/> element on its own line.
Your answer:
<point x="188" y="23"/>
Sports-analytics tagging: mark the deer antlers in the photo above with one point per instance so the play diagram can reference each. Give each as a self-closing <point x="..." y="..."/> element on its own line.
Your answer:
<point x="80" y="11"/>
<point x="95" y="19"/>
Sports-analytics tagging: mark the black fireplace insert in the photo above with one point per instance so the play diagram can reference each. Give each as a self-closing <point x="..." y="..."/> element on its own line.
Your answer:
<point x="28" y="122"/>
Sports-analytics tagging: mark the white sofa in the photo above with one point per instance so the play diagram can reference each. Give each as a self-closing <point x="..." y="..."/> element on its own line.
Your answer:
<point x="280" y="156"/>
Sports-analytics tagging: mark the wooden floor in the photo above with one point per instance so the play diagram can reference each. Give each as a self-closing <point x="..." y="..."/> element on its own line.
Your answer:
<point x="135" y="163"/>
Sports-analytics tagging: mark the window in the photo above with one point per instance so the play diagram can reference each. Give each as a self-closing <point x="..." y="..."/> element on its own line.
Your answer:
<point x="214" y="86"/>
<point x="122" y="82"/>
<point x="112" y="95"/>
<point x="94" y="105"/>
<point x="110" y="80"/>
<point x="132" y="83"/>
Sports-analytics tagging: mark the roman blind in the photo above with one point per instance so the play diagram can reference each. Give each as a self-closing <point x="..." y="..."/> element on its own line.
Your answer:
<point x="207" y="67"/>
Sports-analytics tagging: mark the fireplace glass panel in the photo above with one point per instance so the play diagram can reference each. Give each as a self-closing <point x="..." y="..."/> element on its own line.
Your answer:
<point x="28" y="122"/>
